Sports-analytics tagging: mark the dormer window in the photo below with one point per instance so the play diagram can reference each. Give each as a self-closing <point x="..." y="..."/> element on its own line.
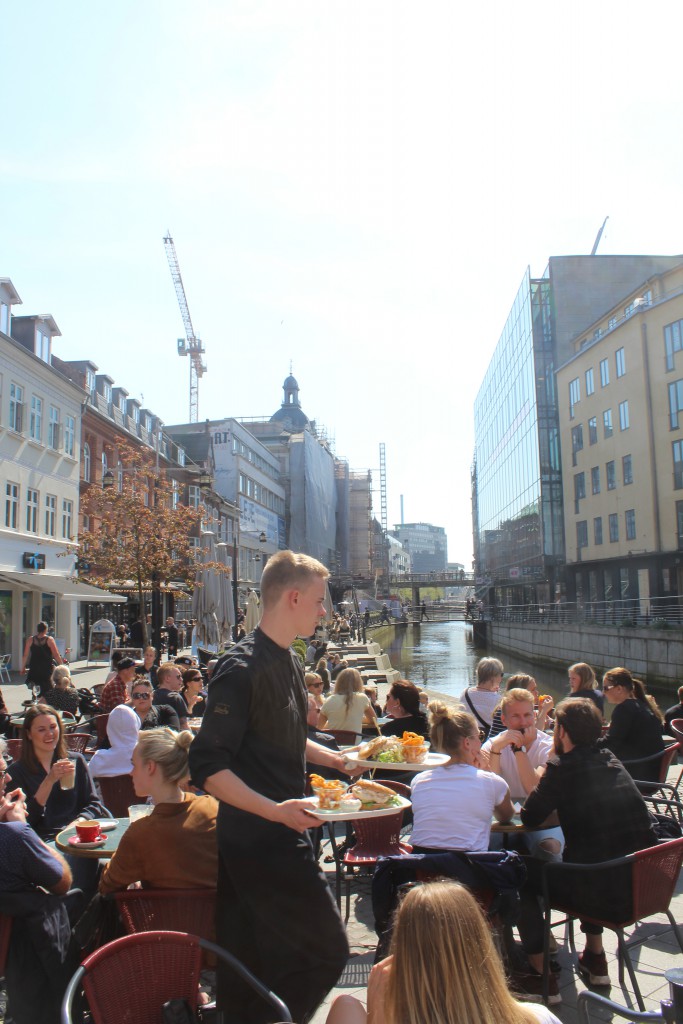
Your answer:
<point x="4" y="317"/>
<point x="136" y="414"/>
<point x="181" y="456"/>
<point x="42" y="349"/>
<point x="122" y="402"/>
<point x="106" y="392"/>
<point x="148" y="424"/>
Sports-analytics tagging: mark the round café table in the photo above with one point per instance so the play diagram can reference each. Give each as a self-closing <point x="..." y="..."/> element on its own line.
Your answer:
<point x="103" y="852"/>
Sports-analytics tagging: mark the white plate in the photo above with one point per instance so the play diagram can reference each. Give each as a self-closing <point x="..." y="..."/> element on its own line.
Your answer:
<point x="379" y="812"/>
<point x="106" y="824"/>
<point x="431" y="761"/>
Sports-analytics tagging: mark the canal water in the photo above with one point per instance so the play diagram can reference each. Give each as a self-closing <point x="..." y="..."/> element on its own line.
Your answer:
<point x="441" y="656"/>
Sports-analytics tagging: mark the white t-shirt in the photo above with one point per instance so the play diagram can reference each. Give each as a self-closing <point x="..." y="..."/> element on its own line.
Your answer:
<point x="538" y="753"/>
<point x="543" y="1013"/>
<point x="338" y="717"/>
<point x="453" y="806"/>
<point x="485" y="702"/>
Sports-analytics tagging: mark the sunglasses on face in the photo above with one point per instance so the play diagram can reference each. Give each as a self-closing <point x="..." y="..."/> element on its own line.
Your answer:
<point x="316" y="686"/>
<point x="610" y="686"/>
<point x="139" y="696"/>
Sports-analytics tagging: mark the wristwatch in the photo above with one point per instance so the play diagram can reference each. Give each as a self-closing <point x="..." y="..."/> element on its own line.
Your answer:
<point x="519" y="750"/>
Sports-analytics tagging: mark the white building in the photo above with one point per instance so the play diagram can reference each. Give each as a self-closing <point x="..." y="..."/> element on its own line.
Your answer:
<point x="40" y="413"/>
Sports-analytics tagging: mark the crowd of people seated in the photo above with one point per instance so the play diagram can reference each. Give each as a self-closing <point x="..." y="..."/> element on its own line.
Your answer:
<point x="507" y="744"/>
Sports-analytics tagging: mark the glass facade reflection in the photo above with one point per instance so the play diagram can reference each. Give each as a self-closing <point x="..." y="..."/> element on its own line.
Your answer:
<point x="517" y="489"/>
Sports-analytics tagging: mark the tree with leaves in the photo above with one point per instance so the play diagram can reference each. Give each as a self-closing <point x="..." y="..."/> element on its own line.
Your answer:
<point x="138" y="529"/>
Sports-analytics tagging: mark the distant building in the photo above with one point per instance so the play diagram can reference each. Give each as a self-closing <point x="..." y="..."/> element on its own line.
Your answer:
<point x="620" y="397"/>
<point x="517" y="493"/>
<point x="40" y="449"/>
<point x="426" y="545"/>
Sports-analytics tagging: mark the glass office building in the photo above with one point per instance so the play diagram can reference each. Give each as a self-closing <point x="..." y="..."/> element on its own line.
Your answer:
<point x="517" y="490"/>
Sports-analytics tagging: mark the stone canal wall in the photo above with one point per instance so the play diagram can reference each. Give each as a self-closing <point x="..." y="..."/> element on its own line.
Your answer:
<point x="654" y="655"/>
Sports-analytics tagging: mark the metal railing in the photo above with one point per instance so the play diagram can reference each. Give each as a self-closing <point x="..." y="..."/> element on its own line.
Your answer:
<point x="653" y="612"/>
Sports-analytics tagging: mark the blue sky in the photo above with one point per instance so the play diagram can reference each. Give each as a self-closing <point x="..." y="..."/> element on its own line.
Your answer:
<point x="356" y="186"/>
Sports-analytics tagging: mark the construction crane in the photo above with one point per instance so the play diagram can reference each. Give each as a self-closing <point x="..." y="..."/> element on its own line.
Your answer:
<point x="383" y="515"/>
<point x="190" y="345"/>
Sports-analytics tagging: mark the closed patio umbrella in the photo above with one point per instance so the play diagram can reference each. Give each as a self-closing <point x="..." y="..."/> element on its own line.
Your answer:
<point x="226" y="613"/>
<point x="206" y="596"/>
<point x="253" y="612"/>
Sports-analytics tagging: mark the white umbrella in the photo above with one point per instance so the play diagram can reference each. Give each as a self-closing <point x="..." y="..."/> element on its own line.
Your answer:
<point x="226" y="615"/>
<point x="253" y="612"/>
<point x="206" y="595"/>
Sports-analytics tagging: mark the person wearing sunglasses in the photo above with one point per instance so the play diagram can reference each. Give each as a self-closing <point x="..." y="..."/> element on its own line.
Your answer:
<point x="635" y="729"/>
<point x="193" y="692"/>
<point x="314" y="685"/>
<point x="151" y="716"/>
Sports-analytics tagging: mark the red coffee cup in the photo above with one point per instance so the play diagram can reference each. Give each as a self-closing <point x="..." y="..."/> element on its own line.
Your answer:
<point x="88" y="831"/>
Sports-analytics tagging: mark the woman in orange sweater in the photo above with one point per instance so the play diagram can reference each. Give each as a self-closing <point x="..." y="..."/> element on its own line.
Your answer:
<point x="175" y="846"/>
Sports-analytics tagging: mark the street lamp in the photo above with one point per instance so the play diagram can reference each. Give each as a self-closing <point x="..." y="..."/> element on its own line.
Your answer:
<point x="235" y="582"/>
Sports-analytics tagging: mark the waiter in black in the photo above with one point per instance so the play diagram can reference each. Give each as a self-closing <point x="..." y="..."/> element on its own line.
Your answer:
<point x="275" y="911"/>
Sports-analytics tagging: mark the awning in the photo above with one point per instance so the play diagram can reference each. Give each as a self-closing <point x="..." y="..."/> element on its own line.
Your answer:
<point x="51" y="583"/>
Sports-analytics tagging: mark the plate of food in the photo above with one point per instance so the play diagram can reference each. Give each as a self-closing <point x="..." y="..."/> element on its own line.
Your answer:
<point x="407" y="753"/>
<point x="363" y="799"/>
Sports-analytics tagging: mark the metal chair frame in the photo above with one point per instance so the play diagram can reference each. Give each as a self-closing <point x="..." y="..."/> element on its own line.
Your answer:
<point x="375" y="838"/>
<point x="635" y="1017"/>
<point x="665" y="757"/>
<point x="5" y="660"/>
<point x="148" y="910"/>
<point x="644" y="866"/>
<point x="176" y="952"/>
<point x="77" y="741"/>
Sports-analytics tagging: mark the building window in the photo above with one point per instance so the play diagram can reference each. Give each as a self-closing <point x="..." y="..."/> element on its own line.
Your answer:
<point x="613" y="528"/>
<point x="607" y="422"/>
<point x="579" y="489"/>
<point x="679" y="524"/>
<point x="86" y="463"/>
<point x="175" y="493"/>
<point x="90" y="382"/>
<point x="193" y="495"/>
<point x="611" y="474"/>
<point x="577" y="439"/>
<point x="86" y="522"/>
<point x="574" y="395"/>
<point x="620" y="360"/>
<point x="627" y="470"/>
<point x="119" y="477"/>
<point x="595" y="480"/>
<point x="630" y="520"/>
<point x="16" y="408"/>
<point x="604" y="373"/>
<point x="678" y="464"/>
<point x="11" y="505"/>
<point x="623" y="416"/>
<point x="582" y="534"/>
<point x="67" y="518"/>
<point x="628" y="310"/>
<point x="36" y="421"/>
<point x="181" y="456"/>
<point x="31" y="510"/>
<point x="53" y="428"/>
<point x="593" y="430"/>
<point x="673" y="341"/>
<point x="106" y="392"/>
<point x="4" y="318"/>
<point x="42" y="344"/>
<point x="611" y="323"/>
<point x="590" y="382"/>
<point x="597" y="530"/>
<point x="104" y="465"/>
<point x="675" y="403"/>
<point x="70" y="436"/>
<point x="50" y="514"/>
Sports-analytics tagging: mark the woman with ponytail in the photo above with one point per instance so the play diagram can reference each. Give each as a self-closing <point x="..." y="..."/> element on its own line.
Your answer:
<point x="174" y="847"/>
<point x="635" y="729"/>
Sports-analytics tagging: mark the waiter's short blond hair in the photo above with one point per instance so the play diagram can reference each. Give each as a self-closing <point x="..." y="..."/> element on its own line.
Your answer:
<point x="288" y="570"/>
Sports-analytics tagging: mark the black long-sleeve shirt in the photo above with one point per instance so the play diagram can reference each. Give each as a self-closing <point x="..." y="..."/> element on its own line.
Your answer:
<point x="635" y="732"/>
<point x="255" y="720"/>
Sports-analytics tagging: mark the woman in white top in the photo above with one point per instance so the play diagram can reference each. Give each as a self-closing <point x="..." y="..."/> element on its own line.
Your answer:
<point x="123" y="726"/>
<point x="453" y="804"/>
<point x="443" y="968"/>
<point x="348" y="707"/>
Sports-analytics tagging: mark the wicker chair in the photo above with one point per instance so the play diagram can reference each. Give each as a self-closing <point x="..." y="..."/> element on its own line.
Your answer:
<point x="134" y="976"/>
<point x="77" y="741"/>
<point x="653" y="877"/>
<point x="148" y="910"/>
<point x="662" y="760"/>
<point x="375" y="838"/>
<point x="118" y="793"/>
<point x="14" y="748"/>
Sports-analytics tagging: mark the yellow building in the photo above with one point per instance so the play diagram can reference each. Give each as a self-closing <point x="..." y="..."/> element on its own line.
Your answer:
<point x="620" y="401"/>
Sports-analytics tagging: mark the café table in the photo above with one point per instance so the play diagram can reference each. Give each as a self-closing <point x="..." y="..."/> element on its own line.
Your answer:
<point x="103" y="852"/>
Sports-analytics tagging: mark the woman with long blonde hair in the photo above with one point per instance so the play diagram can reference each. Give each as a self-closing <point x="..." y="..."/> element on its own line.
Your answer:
<point x="443" y="968"/>
<point x="348" y="708"/>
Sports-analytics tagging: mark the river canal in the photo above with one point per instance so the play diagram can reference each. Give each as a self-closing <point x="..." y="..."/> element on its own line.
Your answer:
<point x="441" y="656"/>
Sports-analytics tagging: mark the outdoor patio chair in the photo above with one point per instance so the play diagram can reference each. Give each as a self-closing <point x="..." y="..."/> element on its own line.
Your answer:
<point x="676" y="728"/>
<point x="665" y="758"/>
<point x="97" y="689"/>
<point x="602" y="1006"/>
<point x="344" y="737"/>
<point x="5" y="660"/>
<point x="131" y="978"/>
<point x="375" y="838"/>
<point x="652" y="874"/>
<point x="77" y="741"/>
<point x="101" y="727"/>
<point x="118" y="793"/>
<point x="14" y="748"/>
<point x="147" y="910"/>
